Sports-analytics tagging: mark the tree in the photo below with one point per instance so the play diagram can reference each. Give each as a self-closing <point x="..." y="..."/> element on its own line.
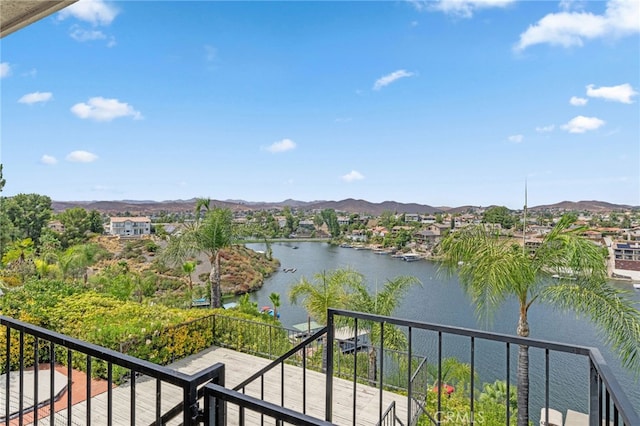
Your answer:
<point x="211" y="232"/>
<point x="95" y="222"/>
<point x="327" y="290"/>
<point x="499" y="214"/>
<point x="382" y="302"/>
<point x="76" y="223"/>
<point x="275" y="301"/>
<point x="188" y="267"/>
<point x="492" y="269"/>
<point x="331" y="219"/>
<point x="29" y="213"/>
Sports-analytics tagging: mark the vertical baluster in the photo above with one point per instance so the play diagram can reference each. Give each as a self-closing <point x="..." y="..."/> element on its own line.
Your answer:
<point x="21" y="381"/>
<point x="355" y="369"/>
<point x="381" y="382"/>
<point x="471" y="406"/>
<point x="69" y="386"/>
<point x="409" y="385"/>
<point x="158" y="400"/>
<point x="52" y="377"/>
<point x="133" y="398"/>
<point x="439" y="413"/>
<point x="282" y="384"/>
<point x="7" y="369"/>
<point x="89" y="373"/>
<point x="508" y="403"/>
<point x="109" y="393"/>
<point x="304" y="379"/>
<point x="36" y="384"/>
<point x="546" y="384"/>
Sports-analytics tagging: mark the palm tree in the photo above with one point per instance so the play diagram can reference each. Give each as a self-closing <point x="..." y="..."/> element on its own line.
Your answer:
<point x="492" y="269"/>
<point x="208" y="234"/>
<point x="275" y="300"/>
<point x="382" y="302"/>
<point x="188" y="268"/>
<point x="328" y="290"/>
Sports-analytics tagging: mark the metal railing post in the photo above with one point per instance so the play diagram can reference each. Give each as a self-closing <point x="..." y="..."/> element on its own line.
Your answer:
<point x="594" y="402"/>
<point x="329" y="367"/>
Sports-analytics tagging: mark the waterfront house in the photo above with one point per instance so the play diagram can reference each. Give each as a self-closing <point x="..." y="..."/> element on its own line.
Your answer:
<point x="627" y="255"/>
<point x="130" y="226"/>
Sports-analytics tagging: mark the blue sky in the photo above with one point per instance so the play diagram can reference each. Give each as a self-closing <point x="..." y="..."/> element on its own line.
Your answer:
<point x="443" y="103"/>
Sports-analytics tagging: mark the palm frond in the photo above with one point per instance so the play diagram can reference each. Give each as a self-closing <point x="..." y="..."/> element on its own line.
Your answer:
<point x="616" y="315"/>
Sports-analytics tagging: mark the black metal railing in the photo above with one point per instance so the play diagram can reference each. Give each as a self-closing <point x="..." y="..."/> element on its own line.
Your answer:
<point x="140" y="392"/>
<point x="133" y="391"/>
<point x="604" y="400"/>
<point x="222" y="405"/>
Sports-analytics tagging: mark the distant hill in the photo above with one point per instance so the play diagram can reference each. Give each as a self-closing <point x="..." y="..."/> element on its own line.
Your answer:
<point x="349" y="205"/>
<point x="590" y="206"/>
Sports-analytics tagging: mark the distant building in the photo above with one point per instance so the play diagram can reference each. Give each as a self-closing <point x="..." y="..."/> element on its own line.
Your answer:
<point x="130" y="226"/>
<point x="56" y="225"/>
<point x="627" y="256"/>
<point x="411" y="217"/>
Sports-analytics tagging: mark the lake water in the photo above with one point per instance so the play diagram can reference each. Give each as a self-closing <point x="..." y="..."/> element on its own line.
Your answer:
<point x="441" y="300"/>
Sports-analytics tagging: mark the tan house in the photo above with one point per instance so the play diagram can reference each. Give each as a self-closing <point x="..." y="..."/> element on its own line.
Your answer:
<point x="130" y="226"/>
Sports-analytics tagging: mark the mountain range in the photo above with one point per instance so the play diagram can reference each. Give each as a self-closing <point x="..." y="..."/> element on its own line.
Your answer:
<point x="350" y="205"/>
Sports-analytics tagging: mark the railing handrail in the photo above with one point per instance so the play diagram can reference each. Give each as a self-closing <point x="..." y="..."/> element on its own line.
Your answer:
<point x="282" y="358"/>
<point x="621" y="401"/>
<point x="468" y="332"/>
<point x="145" y="367"/>
<point x="282" y="414"/>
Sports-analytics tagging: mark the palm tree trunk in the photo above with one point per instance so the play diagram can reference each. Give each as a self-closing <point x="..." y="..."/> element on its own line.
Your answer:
<point x="523" y="371"/>
<point x="373" y="364"/>
<point x="217" y="296"/>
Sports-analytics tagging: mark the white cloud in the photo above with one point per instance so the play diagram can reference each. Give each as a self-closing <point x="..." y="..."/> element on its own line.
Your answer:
<point x="5" y="69"/>
<point x="566" y="29"/>
<point x="35" y="97"/>
<point x="80" y="34"/>
<point x="576" y="101"/>
<point x="352" y="176"/>
<point x="516" y="138"/>
<point x="81" y="157"/>
<point x="621" y="93"/>
<point x="101" y="109"/>
<point x="96" y="12"/>
<point x="581" y="124"/>
<point x="281" y="146"/>
<point x="48" y="159"/>
<point x="459" y="8"/>
<point x="545" y="129"/>
<point x="390" y="78"/>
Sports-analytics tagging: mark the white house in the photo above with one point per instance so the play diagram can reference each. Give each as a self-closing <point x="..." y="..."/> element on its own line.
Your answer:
<point x="130" y="226"/>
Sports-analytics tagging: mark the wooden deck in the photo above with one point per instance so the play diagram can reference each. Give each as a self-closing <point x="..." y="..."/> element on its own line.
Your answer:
<point x="238" y="367"/>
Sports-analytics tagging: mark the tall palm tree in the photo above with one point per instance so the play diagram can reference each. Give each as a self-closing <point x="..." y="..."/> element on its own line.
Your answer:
<point x="382" y="302"/>
<point x="492" y="269"/>
<point x="275" y="300"/>
<point x="328" y="290"/>
<point x="208" y="234"/>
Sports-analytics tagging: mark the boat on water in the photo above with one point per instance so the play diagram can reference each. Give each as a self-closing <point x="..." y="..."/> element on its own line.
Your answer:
<point x="411" y="257"/>
<point x="345" y="245"/>
<point x="378" y="251"/>
<point x="636" y="286"/>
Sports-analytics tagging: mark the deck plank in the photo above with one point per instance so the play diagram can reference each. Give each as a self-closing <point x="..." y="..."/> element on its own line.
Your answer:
<point x="239" y="366"/>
